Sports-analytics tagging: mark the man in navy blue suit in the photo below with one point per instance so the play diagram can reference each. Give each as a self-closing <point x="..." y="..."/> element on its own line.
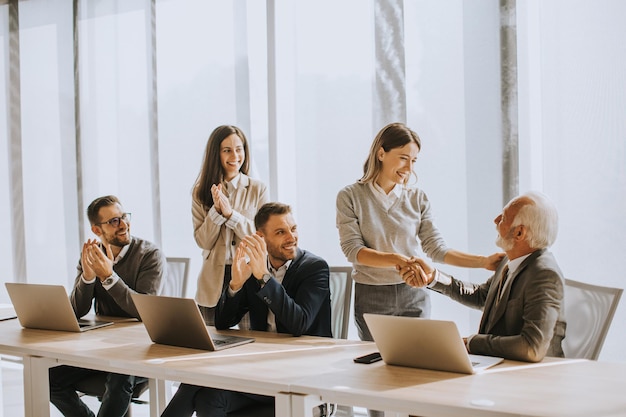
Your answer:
<point x="285" y="289"/>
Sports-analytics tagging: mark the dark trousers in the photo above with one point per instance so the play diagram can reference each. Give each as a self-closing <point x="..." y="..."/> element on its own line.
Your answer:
<point x="115" y="401"/>
<point x="210" y="402"/>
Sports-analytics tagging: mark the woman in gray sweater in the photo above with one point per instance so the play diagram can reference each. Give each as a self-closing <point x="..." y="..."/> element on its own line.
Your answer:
<point x="382" y="222"/>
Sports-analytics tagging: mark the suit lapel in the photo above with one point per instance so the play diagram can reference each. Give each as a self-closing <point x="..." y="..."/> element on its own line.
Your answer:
<point x="242" y="191"/>
<point x="293" y="267"/>
<point x="492" y="299"/>
<point x="498" y="307"/>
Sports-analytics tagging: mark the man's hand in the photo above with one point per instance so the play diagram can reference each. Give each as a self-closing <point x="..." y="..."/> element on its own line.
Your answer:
<point x="88" y="272"/>
<point x="250" y="259"/>
<point x="256" y="249"/>
<point x="417" y="272"/>
<point x="95" y="262"/>
<point x="240" y="271"/>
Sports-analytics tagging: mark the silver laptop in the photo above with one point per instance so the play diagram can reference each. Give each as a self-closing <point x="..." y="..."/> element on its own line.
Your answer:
<point x="7" y="313"/>
<point x="41" y="306"/>
<point x="425" y="344"/>
<point x="178" y="322"/>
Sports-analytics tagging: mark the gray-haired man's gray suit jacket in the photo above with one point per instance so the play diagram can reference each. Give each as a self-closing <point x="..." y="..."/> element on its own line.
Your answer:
<point x="527" y="323"/>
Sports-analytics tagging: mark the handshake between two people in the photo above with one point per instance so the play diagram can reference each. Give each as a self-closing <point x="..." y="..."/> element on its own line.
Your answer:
<point x="416" y="272"/>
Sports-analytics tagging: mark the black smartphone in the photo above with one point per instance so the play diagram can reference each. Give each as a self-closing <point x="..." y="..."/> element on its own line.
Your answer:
<point x="369" y="358"/>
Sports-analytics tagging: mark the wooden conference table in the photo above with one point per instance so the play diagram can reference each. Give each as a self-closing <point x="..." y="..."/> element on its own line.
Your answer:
<point x="555" y="387"/>
<point x="264" y="367"/>
<point x="302" y="372"/>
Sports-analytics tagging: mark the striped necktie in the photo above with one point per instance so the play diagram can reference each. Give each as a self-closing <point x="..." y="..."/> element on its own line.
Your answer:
<point x="505" y="276"/>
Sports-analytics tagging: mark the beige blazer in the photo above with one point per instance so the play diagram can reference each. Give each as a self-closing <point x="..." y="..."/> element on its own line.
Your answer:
<point x="251" y="195"/>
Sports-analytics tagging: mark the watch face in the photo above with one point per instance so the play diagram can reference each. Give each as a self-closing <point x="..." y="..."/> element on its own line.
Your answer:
<point x="107" y="281"/>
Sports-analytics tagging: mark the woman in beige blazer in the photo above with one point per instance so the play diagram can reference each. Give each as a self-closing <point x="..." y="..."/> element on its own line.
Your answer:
<point x="224" y="203"/>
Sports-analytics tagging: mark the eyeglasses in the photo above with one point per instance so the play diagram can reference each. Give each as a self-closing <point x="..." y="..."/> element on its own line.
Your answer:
<point x="115" y="221"/>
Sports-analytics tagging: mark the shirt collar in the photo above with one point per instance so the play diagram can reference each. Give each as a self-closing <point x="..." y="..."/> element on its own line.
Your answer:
<point x="396" y="190"/>
<point x="122" y="252"/>
<point x="515" y="263"/>
<point x="274" y="271"/>
<point x="234" y="183"/>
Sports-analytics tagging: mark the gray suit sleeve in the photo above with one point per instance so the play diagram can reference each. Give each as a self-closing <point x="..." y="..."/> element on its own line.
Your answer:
<point x="466" y="293"/>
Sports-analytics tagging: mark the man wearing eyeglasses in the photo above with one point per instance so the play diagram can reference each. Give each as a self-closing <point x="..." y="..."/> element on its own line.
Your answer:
<point x="110" y="269"/>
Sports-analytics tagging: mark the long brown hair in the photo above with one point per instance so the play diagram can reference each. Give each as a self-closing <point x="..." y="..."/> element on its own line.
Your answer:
<point x="212" y="172"/>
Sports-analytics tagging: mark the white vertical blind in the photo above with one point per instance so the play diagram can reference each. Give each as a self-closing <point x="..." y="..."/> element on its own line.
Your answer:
<point x="572" y="129"/>
<point x="581" y="61"/>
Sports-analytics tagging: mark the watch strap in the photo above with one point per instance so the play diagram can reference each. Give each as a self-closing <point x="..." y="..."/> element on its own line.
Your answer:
<point x="108" y="281"/>
<point x="263" y="280"/>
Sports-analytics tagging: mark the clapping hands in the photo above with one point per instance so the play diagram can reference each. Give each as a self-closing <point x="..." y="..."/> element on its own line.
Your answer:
<point x="220" y="201"/>
<point x="95" y="262"/>
<point x="250" y="259"/>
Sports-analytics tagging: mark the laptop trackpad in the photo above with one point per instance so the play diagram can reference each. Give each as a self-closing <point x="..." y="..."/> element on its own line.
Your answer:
<point x="480" y="362"/>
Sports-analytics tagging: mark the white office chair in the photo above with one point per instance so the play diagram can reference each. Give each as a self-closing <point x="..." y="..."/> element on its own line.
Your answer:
<point x="175" y="284"/>
<point x="589" y="310"/>
<point x="340" y="299"/>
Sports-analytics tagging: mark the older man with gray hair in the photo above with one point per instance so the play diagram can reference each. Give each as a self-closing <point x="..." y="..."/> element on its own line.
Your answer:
<point x="522" y="302"/>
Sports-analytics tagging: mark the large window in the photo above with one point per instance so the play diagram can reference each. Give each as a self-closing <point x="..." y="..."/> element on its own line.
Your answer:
<point x="120" y="96"/>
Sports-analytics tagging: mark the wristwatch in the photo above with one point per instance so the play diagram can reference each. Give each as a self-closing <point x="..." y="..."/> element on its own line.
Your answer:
<point x="108" y="281"/>
<point x="263" y="280"/>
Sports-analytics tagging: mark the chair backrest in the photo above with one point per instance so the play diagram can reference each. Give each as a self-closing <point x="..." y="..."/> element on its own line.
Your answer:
<point x="340" y="299"/>
<point x="589" y="310"/>
<point x="175" y="284"/>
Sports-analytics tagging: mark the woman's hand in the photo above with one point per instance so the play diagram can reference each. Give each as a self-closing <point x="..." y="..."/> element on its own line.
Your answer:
<point x="220" y="201"/>
<point x="492" y="261"/>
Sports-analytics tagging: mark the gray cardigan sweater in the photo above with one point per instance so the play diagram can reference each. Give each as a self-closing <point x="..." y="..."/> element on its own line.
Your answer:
<point x="141" y="270"/>
<point x="364" y="222"/>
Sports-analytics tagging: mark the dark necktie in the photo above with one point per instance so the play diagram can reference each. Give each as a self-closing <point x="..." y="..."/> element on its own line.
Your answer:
<point x="505" y="275"/>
